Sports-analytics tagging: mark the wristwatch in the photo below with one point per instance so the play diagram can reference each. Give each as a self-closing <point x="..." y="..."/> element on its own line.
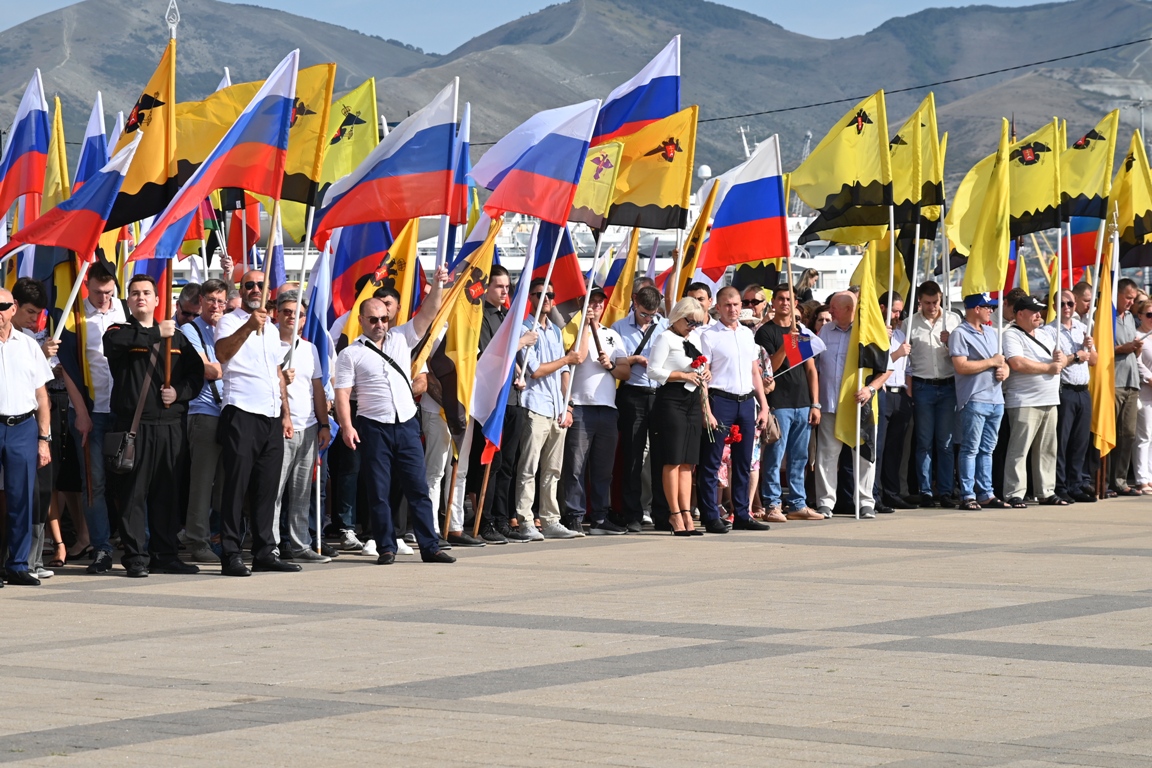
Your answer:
<point x="46" y="438"/>
<point x="817" y="406"/>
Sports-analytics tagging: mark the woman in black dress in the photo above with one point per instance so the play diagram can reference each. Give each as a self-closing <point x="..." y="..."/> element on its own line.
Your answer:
<point x="677" y="416"/>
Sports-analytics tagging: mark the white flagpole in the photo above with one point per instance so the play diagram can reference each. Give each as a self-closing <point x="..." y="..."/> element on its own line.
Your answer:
<point x="303" y="268"/>
<point x="547" y="280"/>
<point x="319" y="512"/>
<point x="1096" y="272"/>
<point x="891" y="260"/>
<point x="910" y="301"/>
<point x="856" y="453"/>
<point x="56" y="334"/>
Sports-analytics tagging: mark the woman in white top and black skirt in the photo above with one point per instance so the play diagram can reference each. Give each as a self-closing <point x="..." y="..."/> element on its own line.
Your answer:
<point x="677" y="417"/>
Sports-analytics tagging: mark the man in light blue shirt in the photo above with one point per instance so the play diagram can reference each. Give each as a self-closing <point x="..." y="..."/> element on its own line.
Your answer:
<point x="203" y="416"/>
<point x="546" y="371"/>
<point x="980" y="369"/>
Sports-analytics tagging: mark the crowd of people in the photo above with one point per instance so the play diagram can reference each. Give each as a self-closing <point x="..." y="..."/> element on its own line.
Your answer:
<point x="185" y="441"/>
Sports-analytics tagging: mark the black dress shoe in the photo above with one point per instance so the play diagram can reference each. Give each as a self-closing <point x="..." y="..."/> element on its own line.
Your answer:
<point x="274" y="564"/>
<point x="748" y="524"/>
<point x="137" y="570"/>
<point x="175" y="565"/>
<point x="1084" y="498"/>
<point x="437" y="557"/>
<point x="233" y="565"/>
<point x="386" y="558"/>
<point x="898" y="503"/>
<point x="464" y="540"/>
<point x="716" y="526"/>
<point x="21" y="579"/>
<point x="884" y="509"/>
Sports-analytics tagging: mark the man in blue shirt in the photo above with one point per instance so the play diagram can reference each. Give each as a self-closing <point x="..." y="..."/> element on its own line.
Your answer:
<point x="203" y="416"/>
<point x="980" y="369"/>
<point x="546" y="371"/>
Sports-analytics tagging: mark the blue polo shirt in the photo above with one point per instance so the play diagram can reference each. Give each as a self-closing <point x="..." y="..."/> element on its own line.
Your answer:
<point x="544" y="395"/>
<point x="974" y="344"/>
<point x="632" y="335"/>
<point x="205" y="402"/>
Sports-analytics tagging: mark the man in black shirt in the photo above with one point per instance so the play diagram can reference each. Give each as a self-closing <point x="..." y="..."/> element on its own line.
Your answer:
<point x="150" y="517"/>
<point x="796" y="404"/>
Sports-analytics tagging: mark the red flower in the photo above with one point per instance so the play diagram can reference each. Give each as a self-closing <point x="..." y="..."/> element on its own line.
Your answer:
<point x="734" y="435"/>
<point x="699" y="362"/>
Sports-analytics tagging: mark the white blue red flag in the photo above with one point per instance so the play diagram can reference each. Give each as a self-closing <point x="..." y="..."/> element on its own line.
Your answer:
<point x="316" y="321"/>
<point x="535" y="168"/>
<point x="462" y="166"/>
<point x="409" y="174"/>
<point x="750" y="223"/>
<point x="251" y="156"/>
<point x="653" y="94"/>
<point x="77" y="223"/>
<point x="25" y="157"/>
<point x="274" y="272"/>
<point x="94" y="152"/>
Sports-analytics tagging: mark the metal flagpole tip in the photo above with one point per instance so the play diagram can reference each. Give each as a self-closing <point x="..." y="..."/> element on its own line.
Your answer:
<point x="172" y="17"/>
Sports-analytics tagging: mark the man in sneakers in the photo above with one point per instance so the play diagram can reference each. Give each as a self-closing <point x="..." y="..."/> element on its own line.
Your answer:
<point x="375" y="370"/>
<point x="546" y="368"/>
<point x="310" y="434"/>
<point x="254" y="423"/>
<point x="135" y="348"/>
<point x="795" y="401"/>
<point x="590" y="448"/>
<point x="205" y="479"/>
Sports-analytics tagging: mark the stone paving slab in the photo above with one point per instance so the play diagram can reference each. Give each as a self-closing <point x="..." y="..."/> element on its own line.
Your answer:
<point x="924" y="638"/>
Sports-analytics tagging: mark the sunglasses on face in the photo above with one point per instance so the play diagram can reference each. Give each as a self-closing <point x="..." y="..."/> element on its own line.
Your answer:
<point x="692" y="323"/>
<point x="549" y="295"/>
<point x="6" y="305"/>
<point x="1146" y="314"/>
<point x="376" y="320"/>
<point x="1067" y="303"/>
<point x="253" y="284"/>
<point x="186" y="313"/>
<point x="751" y="302"/>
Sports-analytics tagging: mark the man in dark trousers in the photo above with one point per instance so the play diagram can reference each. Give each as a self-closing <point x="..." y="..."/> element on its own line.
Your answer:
<point x="135" y="348"/>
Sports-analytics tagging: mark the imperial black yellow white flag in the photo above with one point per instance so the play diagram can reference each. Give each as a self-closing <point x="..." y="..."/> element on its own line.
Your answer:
<point x="655" y="178"/>
<point x="917" y="165"/>
<point x="152" y="181"/>
<point x="988" y="257"/>
<point x="1034" y="169"/>
<point x="1132" y="191"/>
<point x="848" y="176"/>
<point x="1086" y="170"/>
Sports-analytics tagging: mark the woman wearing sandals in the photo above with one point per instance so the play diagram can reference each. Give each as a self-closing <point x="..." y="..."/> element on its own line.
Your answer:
<point x="677" y="416"/>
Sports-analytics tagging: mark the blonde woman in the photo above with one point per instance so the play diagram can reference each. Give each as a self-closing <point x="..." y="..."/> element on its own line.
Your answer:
<point x="1142" y="456"/>
<point x="676" y="364"/>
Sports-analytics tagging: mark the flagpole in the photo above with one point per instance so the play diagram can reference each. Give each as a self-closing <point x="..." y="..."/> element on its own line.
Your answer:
<point x="891" y="260"/>
<point x="442" y="239"/>
<point x="1068" y="249"/>
<point x="584" y="311"/>
<point x="1096" y="271"/>
<point x="480" y="501"/>
<point x="300" y="283"/>
<point x="856" y="453"/>
<point x="547" y="281"/>
<point x="168" y="278"/>
<point x="56" y="334"/>
<point x="319" y="512"/>
<point x="264" y="290"/>
<point x="791" y="293"/>
<point x="910" y="301"/>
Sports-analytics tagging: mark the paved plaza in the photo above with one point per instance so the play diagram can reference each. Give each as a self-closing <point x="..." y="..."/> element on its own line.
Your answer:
<point x="925" y="638"/>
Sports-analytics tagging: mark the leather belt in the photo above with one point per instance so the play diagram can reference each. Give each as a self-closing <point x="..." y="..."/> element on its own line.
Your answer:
<point x="638" y="388"/>
<point x="1075" y="387"/>
<point x="935" y="382"/>
<point x="730" y="396"/>
<point x="894" y="390"/>
<point x="11" y="421"/>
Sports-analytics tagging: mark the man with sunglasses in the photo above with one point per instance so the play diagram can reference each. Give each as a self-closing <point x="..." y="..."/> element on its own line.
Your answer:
<point x="375" y="370"/>
<point x="206" y="477"/>
<point x="25" y="436"/>
<point x="634" y="401"/>
<point x="254" y="422"/>
<point x="188" y="304"/>
<point x="546" y="370"/>
<point x="1074" y="414"/>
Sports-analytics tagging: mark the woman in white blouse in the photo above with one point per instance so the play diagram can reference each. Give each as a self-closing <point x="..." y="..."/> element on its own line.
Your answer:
<point x="677" y="417"/>
<point x="1142" y="458"/>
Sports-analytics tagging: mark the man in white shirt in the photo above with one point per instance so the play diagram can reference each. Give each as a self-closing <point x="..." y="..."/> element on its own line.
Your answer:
<point x="1074" y="415"/>
<point x="24" y="436"/>
<point x="311" y="434"/>
<point x="735" y="391"/>
<point x="933" y="388"/>
<point x="703" y="294"/>
<point x="102" y="310"/>
<point x="590" y="448"/>
<point x="895" y="412"/>
<point x="1031" y="397"/>
<point x="254" y="423"/>
<point x="376" y="369"/>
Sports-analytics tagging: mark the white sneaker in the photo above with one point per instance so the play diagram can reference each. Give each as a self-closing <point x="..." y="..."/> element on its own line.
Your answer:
<point x="44" y="573"/>
<point x="647" y="519"/>
<point x="530" y="531"/>
<point x="369" y="548"/>
<point x="402" y="548"/>
<point x="349" y="542"/>
<point x="557" y="531"/>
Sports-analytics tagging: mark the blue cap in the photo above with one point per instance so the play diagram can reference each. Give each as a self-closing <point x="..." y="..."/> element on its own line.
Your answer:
<point x="975" y="300"/>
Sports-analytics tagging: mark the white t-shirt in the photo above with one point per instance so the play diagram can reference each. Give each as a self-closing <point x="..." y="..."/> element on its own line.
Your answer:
<point x="23" y="370"/>
<point x="592" y="384"/>
<point x="95" y="324"/>
<point x="306" y="362"/>
<point x="1030" y="389"/>
<point x="252" y="377"/>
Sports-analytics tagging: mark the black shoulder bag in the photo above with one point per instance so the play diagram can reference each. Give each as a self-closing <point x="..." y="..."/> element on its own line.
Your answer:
<point x="120" y="447"/>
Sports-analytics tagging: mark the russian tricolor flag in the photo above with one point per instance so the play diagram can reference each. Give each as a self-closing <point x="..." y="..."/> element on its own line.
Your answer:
<point x="1083" y="240"/>
<point x="77" y="223"/>
<point x="356" y="250"/>
<point x="274" y="272"/>
<point x="319" y="298"/>
<point x="462" y="164"/>
<point x="25" y="157"/>
<point x="535" y="168"/>
<point x="94" y="152"/>
<point x="653" y="94"/>
<point x="802" y="347"/>
<point x="751" y="223"/>
<point x="473" y="241"/>
<point x="251" y="156"/>
<point x="494" y="373"/>
<point x="567" y="279"/>
<point x="409" y="174"/>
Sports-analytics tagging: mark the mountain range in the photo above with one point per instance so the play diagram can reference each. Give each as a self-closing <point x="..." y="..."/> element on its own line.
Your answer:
<point x="733" y="63"/>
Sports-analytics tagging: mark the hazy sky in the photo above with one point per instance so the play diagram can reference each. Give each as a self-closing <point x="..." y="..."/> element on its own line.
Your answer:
<point x="441" y="25"/>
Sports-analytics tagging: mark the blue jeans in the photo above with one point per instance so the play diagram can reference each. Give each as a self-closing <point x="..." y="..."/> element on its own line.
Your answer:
<point x="793" y="448"/>
<point x="95" y="504"/>
<point x="979" y="428"/>
<point x="934" y="406"/>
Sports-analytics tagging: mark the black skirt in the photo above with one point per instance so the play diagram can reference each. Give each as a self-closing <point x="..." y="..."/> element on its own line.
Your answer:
<point x="677" y="424"/>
